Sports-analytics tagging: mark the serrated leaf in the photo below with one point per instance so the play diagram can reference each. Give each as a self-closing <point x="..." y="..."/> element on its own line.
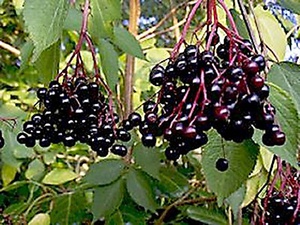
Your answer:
<point x="107" y="199"/>
<point x="109" y="62"/>
<point x="288" y="119"/>
<point x="270" y="28"/>
<point x="59" y="176"/>
<point x="116" y="218"/>
<point x="8" y="174"/>
<point x="236" y="199"/>
<point x="139" y="189"/>
<point x="207" y="216"/>
<point x="127" y="42"/>
<point x="40" y="219"/>
<point x="44" y="21"/>
<point x="105" y="172"/>
<point x="73" y="20"/>
<point x="103" y="12"/>
<point x="240" y="24"/>
<point x="172" y="183"/>
<point x="148" y="159"/>
<point x="68" y="209"/>
<point x="48" y="62"/>
<point x="242" y="158"/>
<point x="35" y="170"/>
<point x="286" y="76"/>
<point x="293" y="5"/>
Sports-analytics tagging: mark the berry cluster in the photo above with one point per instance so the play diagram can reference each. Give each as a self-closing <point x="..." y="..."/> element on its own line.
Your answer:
<point x="281" y="210"/>
<point x="220" y="88"/>
<point x="75" y="111"/>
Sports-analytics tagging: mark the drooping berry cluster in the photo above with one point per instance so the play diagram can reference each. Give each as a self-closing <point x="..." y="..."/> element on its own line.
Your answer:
<point x="75" y="111"/>
<point x="281" y="210"/>
<point x="221" y="88"/>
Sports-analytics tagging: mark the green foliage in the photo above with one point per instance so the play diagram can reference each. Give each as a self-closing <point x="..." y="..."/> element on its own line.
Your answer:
<point x="242" y="158"/>
<point x="105" y="172"/>
<point x="206" y="216"/>
<point x="107" y="199"/>
<point x="40" y="219"/>
<point x="68" y="208"/>
<point x="59" y="176"/>
<point x="139" y="188"/>
<point x="292" y="5"/>
<point x="240" y="24"/>
<point x="44" y="21"/>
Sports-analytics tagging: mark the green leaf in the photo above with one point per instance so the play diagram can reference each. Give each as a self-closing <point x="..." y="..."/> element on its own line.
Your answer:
<point x="103" y="12"/>
<point x="240" y="24"/>
<point x="139" y="189"/>
<point x="207" y="216"/>
<point x="40" y="219"/>
<point x="172" y="182"/>
<point x="109" y="62"/>
<point x="35" y="170"/>
<point x="44" y="21"/>
<point x="286" y="76"/>
<point x="116" y="218"/>
<point x="236" y="199"/>
<point x="148" y="159"/>
<point x="48" y="62"/>
<point x="107" y="199"/>
<point x="16" y="208"/>
<point x="105" y="172"/>
<point x="270" y="28"/>
<point x="26" y="53"/>
<point x="293" y="5"/>
<point x="127" y="42"/>
<point x="73" y="20"/>
<point x="242" y="158"/>
<point x="8" y="174"/>
<point x="68" y="209"/>
<point x="59" y="176"/>
<point x="288" y="119"/>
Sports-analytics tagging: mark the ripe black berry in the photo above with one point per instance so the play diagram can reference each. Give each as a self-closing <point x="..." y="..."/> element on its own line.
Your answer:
<point x="222" y="164"/>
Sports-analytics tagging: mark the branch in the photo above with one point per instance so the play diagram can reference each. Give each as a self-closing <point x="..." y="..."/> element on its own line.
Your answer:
<point x="10" y="48"/>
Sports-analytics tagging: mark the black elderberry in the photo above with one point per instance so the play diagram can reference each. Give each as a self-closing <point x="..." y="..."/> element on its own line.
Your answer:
<point x="149" y="140"/>
<point x="135" y="119"/>
<point x="123" y="135"/>
<point x="222" y="164"/>
<point x="157" y="75"/>
<point x="120" y="150"/>
<point x="172" y="153"/>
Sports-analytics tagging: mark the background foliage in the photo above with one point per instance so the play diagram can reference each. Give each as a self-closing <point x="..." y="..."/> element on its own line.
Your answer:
<point x="61" y="185"/>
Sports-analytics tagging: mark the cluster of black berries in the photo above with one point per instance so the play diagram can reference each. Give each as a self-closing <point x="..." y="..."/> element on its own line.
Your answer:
<point x="221" y="89"/>
<point x="281" y="210"/>
<point x="75" y="111"/>
<point x="2" y="142"/>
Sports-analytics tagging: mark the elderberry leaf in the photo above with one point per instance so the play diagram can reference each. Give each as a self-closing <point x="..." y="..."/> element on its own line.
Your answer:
<point x="35" y="170"/>
<point x="288" y="119"/>
<point x="236" y="199"/>
<point x="293" y="5"/>
<point x="69" y="208"/>
<point x="40" y="219"/>
<point x="59" y="176"/>
<point x="109" y="62"/>
<point x="139" y="189"/>
<point x="73" y="20"/>
<point x="240" y="24"/>
<point x="107" y="199"/>
<point x="148" y="159"/>
<point x="8" y="174"/>
<point x="103" y="13"/>
<point x="270" y="28"/>
<point x="105" y="172"/>
<point x="172" y="182"/>
<point x="44" y="21"/>
<point x="127" y="42"/>
<point x="286" y="76"/>
<point x="48" y="62"/>
<point x="115" y="218"/>
<point x="241" y="159"/>
<point x="207" y="216"/>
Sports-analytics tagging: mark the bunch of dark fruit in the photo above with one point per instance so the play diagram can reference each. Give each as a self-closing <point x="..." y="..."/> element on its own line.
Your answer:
<point x="281" y="210"/>
<point x="221" y="89"/>
<point x="75" y="111"/>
